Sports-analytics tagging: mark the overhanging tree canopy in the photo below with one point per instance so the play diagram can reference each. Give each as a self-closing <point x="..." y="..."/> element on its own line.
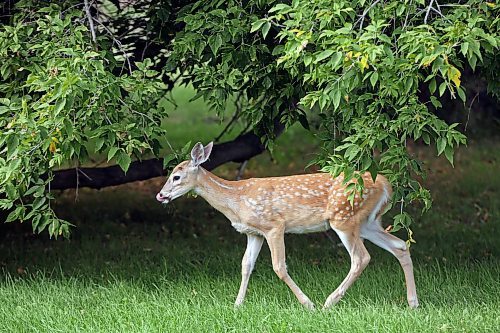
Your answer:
<point x="74" y="73"/>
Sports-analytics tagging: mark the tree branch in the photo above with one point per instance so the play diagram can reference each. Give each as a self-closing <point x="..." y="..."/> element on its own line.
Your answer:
<point x="362" y="17"/>
<point x="91" y="21"/>
<point x="428" y="11"/>
<point x="239" y="150"/>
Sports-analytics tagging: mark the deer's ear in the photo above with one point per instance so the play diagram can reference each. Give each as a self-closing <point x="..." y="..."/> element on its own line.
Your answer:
<point x="208" y="150"/>
<point x="199" y="154"/>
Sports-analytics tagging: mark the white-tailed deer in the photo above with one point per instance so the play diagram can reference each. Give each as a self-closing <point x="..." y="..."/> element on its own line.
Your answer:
<point x="267" y="208"/>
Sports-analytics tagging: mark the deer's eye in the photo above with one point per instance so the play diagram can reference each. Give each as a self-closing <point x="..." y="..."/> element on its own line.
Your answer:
<point x="177" y="178"/>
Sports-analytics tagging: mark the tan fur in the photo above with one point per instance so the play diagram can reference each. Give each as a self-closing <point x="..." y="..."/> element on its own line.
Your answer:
<point x="267" y="208"/>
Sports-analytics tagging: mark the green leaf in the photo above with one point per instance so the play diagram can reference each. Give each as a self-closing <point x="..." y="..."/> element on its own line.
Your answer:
<point x="123" y="161"/>
<point x="215" y="43"/>
<point x="432" y="86"/>
<point x="98" y="144"/>
<point x="441" y="145"/>
<point x="352" y="152"/>
<point x="366" y="162"/>
<point x="442" y="88"/>
<point x="16" y="214"/>
<point x="167" y="159"/>
<point x="32" y="190"/>
<point x="323" y="55"/>
<point x="112" y="152"/>
<point x="336" y="59"/>
<point x="373" y="79"/>
<point x="279" y="6"/>
<point x="59" y="105"/>
<point x="448" y="152"/>
<point x="435" y="102"/>
<point x="265" y="29"/>
<point x="303" y="121"/>
<point x="461" y="94"/>
<point x="307" y="60"/>
<point x="426" y="138"/>
<point x="256" y="25"/>
<point x="38" y="203"/>
<point x="401" y="8"/>
<point x="12" y="143"/>
<point x="464" y="47"/>
<point x="336" y="99"/>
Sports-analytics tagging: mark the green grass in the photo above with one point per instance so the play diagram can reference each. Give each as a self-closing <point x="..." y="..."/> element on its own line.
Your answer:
<point x="135" y="266"/>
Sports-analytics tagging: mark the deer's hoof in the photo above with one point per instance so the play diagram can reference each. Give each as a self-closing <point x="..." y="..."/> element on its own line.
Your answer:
<point x="308" y="305"/>
<point x="413" y="303"/>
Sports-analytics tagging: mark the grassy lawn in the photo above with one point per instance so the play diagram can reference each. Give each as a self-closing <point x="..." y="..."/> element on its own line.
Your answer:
<point x="135" y="266"/>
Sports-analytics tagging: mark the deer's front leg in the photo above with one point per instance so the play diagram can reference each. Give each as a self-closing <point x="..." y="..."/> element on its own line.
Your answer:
<point x="276" y="241"/>
<point x="254" y="244"/>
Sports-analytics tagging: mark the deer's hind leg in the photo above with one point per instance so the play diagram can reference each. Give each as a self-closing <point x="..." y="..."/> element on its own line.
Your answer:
<point x="359" y="260"/>
<point x="374" y="232"/>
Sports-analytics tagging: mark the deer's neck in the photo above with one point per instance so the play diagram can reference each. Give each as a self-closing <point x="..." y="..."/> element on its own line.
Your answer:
<point x="219" y="193"/>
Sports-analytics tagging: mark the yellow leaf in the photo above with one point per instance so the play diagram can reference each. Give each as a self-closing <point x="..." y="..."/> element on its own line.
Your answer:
<point x="490" y="4"/>
<point x="363" y="63"/>
<point x="428" y="62"/>
<point x="52" y="147"/>
<point x="454" y="75"/>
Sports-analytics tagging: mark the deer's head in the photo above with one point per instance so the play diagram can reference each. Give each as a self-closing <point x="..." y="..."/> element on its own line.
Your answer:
<point x="184" y="176"/>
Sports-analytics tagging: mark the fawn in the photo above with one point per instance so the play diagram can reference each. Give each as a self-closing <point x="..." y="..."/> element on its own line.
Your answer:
<point x="267" y="208"/>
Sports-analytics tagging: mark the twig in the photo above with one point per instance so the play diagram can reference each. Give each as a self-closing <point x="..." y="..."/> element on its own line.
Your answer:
<point x="77" y="182"/>
<point x="470" y="108"/>
<point x="117" y="42"/>
<point x="91" y="21"/>
<point x="407" y="14"/>
<point x="362" y="18"/>
<point x="332" y="240"/>
<point x="241" y="169"/>
<point x="233" y="119"/>
<point x="428" y="11"/>
<point x="440" y="14"/>
<point x="83" y="173"/>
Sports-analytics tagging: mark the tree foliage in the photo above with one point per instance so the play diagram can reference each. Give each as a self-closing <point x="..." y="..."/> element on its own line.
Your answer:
<point x="358" y="65"/>
<point x="367" y="74"/>
<point x="58" y="94"/>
